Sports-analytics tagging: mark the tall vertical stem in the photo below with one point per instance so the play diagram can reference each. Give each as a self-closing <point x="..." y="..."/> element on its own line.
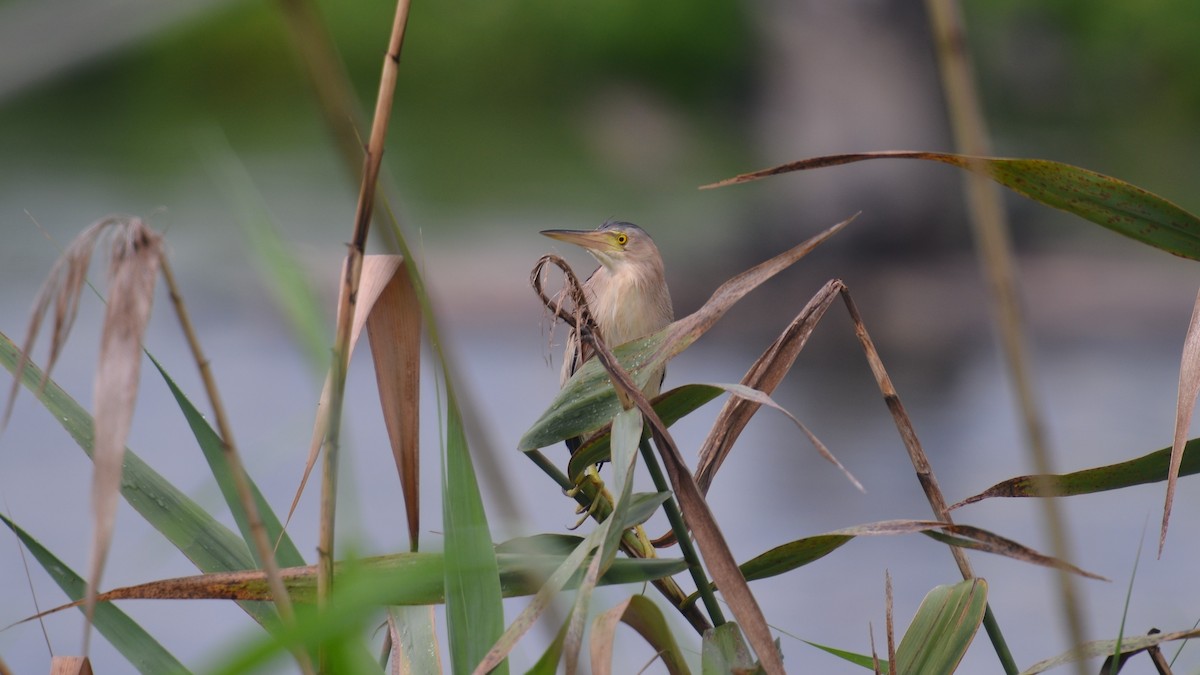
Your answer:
<point x="262" y="543"/>
<point x="352" y="273"/>
<point x="992" y="241"/>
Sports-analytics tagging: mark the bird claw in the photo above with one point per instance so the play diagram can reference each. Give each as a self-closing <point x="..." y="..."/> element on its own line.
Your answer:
<point x="587" y="513"/>
<point x="589" y="475"/>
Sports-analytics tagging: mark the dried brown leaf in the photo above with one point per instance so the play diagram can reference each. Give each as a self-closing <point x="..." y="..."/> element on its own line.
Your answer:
<point x="394" y="330"/>
<point x="874" y="654"/>
<point x="377" y="270"/>
<point x="133" y="267"/>
<point x="764" y="375"/>
<point x="70" y="665"/>
<point x="134" y="258"/>
<point x="969" y="536"/>
<point x="685" y="331"/>
<point x="62" y="288"/>
<point x="761" y="399"/>
<point x="700" y="520"/>
<point x="1189" y="389"/>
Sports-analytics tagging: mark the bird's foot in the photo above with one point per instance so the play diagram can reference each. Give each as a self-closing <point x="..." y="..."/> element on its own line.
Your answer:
<point x="590" y="476"/>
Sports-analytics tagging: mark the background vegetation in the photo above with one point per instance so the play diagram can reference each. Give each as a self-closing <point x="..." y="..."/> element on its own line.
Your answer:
<point x="512" y="117"/>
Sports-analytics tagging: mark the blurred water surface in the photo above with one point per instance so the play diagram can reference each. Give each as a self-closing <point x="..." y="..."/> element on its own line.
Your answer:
<point x="188" y="134"/>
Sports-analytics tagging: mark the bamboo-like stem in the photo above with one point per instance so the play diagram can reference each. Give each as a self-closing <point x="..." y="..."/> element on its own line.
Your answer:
<point x="327" y="75"/>
<point x="993" y="243"/>
<point x="682" y="536"/>
<point x="266" y="553"/>
<point x="334" y="96"/>
<point x="920" y="462"/>
<point x="349" y="294"/>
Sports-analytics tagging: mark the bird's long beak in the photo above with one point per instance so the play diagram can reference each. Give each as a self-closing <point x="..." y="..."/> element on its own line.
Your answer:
<point x="588" y="239"/>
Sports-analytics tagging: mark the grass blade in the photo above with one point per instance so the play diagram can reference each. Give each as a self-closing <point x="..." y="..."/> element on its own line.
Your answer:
<point x="1099" y="648"/>
<point x="759" y="398"/>
<point x="474" y="614"/>
<point x="641" y="614"/>
<point x="286" y="553"/>
<point x="1151" y="468"/>
<point x="567" y="570"/>
<point x="132" y="271"/>
<point x="671" y="407"/>
<point x="723" y="650"/>
<point x="134" y="643"/>
<point x="942" y="630"/>
<point x="274" y="258"/>
<point x="134" y="257"/>
<point x="415" y="648"/>
<point x="700" y="520"/>
<point x="211" y="546"/>
<point x="626" y="433"/>
<point x="548" y="663"/>
<point x="1104" y="200"/>
<point x="794" y="554"/>
<point x="765" y="374"/>
<point x="398" y="579"/>
<point x="857" y="659"/>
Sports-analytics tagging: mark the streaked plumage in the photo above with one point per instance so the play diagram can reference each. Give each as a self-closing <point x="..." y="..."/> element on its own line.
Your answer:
<point x="627" y="293"/>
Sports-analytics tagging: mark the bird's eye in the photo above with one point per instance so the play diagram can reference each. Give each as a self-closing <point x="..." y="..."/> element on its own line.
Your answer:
<point x="622" y="238"/>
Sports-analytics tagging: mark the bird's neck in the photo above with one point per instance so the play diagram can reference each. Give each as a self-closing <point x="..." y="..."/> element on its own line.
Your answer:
<point x="625" y="305"/>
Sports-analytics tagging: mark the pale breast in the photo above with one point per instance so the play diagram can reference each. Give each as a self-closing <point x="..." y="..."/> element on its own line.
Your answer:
<point x="627" y="310"/>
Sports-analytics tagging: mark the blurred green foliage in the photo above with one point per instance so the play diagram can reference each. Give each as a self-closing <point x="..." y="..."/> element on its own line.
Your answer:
<point x="492" y="103"/>
<point x="1106" y="84"/>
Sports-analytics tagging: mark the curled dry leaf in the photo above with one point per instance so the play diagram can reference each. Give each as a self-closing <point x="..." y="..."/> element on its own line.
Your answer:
<point x="394" y="330"/>
<point x="133" y="263"/>
<point x="133" y="266"/>
<point x="62" y="289"/>
<point x="378" y="273"/>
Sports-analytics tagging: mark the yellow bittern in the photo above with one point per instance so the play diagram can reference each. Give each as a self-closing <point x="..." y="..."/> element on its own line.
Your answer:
<point x="627" y="294"/>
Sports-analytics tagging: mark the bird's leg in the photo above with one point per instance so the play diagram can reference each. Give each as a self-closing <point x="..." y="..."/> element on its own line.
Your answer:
<point x="591" y="485"/>
<point x="598" y="505"/>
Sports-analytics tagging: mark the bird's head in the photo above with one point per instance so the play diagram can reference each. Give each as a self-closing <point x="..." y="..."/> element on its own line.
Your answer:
<point x="616" y="245"/>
